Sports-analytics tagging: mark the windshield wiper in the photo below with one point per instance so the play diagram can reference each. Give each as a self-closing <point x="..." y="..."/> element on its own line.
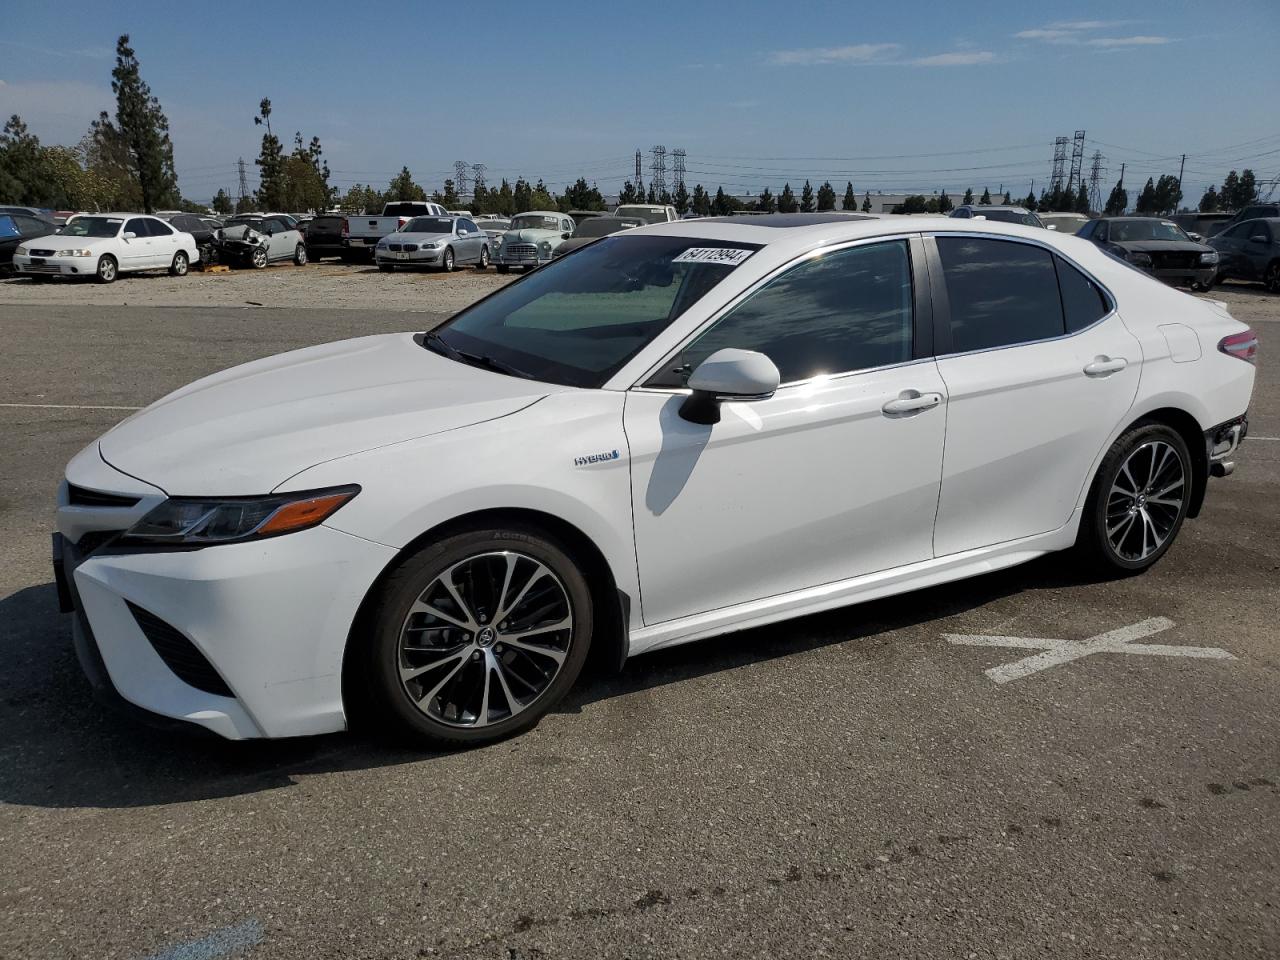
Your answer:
<point x="498" y="366"/>
<point x="438" y="344"/>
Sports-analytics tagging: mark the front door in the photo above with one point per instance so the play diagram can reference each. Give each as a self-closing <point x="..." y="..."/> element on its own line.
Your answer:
<point x="834" y="476"/>
<point x="1039" y="375"/>
<point x="136" y="253"/>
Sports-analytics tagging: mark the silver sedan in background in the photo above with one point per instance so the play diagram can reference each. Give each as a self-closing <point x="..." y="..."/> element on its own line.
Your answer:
<point x="443" y="242"/>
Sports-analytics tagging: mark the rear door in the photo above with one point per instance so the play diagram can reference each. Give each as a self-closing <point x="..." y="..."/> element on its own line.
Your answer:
<point x="1256" y="253"/>
<point x="1039" y="370"/>
<point x="165" y="242"/>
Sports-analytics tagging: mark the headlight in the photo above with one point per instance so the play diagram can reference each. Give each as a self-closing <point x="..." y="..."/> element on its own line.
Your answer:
<point x="433" y="245"/>
<point x="1138" y="258"/>
<point x="545" y="246"/>
<point x="1209" y="257"/>
<point x="74" y="253"/>
<point x="196" y="521"/>
<point x="20" y="251"/>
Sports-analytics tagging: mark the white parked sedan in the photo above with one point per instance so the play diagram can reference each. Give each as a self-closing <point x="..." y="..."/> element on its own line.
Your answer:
<point x="105" y="245"/>
<point x="678" y="431"/>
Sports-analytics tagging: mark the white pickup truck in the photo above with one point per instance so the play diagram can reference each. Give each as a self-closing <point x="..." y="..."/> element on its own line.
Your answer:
<point x="361" y="234"/>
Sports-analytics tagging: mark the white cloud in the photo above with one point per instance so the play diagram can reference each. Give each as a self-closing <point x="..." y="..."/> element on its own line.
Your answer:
<point x="1085" y="24"/>
<point x="853" y="53"/>
<point x="1047" y="34"/>
<point x="1138" y="41"/>
<point x="964" y="58"/>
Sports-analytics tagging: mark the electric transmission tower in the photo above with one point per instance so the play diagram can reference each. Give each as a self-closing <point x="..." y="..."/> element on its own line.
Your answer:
<point x="460" y="176"/>
<point x="658" y="170"/>
<point x="677" y="173"/>
<point x="477" y="176"/>
<point x="1059" y="163"/>
<point x="1096" y="172"/>
<point x="639" y="168"/>
<point x="1077" y="162"/>
<point x="244" y="182"/>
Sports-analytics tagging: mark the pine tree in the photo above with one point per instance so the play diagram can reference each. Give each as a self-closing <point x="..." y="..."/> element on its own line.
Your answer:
<point x="1007" y="199"/>
<point x="1147" y="198"/>
<point x="866" y="202"/>
<point x="680" y="199"/>
<point x="1082" y="199"/>
<point x="968" y="195"/>
<point x="787" y="200"/>
<point x="721" y="206"/>
<point x="806" y="198"/>
<point x="652" y="195"/>
<point x="1117" y="200"/>
<point x="504" y="202"/>
<point x="826" y="197"/>
<point x="850" y="198"/>
<point x="944" y="203"/>
<point x="1209" y="202"/>
<point x="766" y="203"/>
<point x="221" y="203"/>
<point x="522" y="196"/>
<point x="627" y="194"/>
<point x="270" y="162"/>
<point x="403" y="188"/>
<point x="986" y="197"/>
<point x="1030" y="202"/>
<point x="145" y="130"/>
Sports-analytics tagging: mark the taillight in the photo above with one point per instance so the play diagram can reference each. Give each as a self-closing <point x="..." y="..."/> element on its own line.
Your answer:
<point x="1241" y="345"/>
<point x="403" y="221"/>
<point x="346" y="228"/>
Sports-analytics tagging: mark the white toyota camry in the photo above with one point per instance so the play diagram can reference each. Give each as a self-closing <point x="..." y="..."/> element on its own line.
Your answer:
<point x="674" y="432"/>
<point x="105" y="245"/>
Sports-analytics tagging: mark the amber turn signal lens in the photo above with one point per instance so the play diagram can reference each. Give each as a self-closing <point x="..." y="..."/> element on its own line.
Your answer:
<point x="303" y="513"/>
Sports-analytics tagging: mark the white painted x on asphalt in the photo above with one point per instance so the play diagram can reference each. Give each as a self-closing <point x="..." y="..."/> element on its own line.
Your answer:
<point x="1064" y="651"/>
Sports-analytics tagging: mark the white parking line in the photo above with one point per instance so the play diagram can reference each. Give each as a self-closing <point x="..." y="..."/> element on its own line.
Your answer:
<point x="64" y="406"/>
<point x="1064" y="651"/>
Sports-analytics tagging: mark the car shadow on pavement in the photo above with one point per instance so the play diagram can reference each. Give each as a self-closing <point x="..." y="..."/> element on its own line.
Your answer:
<point x="62" y="748"/>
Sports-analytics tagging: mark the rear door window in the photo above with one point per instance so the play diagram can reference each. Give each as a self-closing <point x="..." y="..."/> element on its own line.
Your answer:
<point x="1001" y="293"/>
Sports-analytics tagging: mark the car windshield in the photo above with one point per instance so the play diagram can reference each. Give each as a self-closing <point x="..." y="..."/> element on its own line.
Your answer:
<point x="92" y="227"/>
<point x="1011" y="216"/>
<point x="494" y="224"/>
<point x="428" y="225"/>
<point x="576" y="321"/>
<point x="253" y="222"/>
<point x="1129" y="231"/>
<point x="535" y="223"/>
<point x="601" y="227"/>
<point x="647" y="214"/>
<point x="403" y="209"/>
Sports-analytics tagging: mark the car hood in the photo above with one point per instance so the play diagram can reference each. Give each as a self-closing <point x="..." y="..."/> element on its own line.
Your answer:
<point x="246" y="430"/>
<point x="530" y="235"/>
<point x="1163" y="246"/>
<point x="416" y="237"/>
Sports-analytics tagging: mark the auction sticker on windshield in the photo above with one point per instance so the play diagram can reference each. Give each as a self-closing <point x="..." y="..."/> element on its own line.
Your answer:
<point x="729" y="256"/>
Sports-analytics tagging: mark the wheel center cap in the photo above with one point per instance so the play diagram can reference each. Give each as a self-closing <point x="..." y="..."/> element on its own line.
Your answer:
<point x="486" y="636"/>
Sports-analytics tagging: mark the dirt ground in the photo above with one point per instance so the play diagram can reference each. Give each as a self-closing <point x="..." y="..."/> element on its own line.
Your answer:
<point x="328" y="284"/>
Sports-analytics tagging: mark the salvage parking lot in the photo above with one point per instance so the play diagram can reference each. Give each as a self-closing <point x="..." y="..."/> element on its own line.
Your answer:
<point x="878" y="778"/>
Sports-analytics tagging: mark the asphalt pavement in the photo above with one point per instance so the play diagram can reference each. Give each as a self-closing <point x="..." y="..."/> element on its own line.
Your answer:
<point x="852" y="784"/>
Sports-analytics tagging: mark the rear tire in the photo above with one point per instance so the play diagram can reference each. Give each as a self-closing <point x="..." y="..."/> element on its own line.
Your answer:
<point x="513" y="583"/>
<point x="1138" y="501"/>
<point x="180" y="265"/>
<point x="1271" y="279"/>
<point x="107" y="269"/>
<point x="300" y="255"/>
<point x="484" y="259"/>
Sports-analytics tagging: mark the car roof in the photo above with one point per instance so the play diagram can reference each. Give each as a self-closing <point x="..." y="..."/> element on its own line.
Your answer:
<point x="993" y="206"/>
<point x="542" y="213"/>
<point x="813" y="230"/>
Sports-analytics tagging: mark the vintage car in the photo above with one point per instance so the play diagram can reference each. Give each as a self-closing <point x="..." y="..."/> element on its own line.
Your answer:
<point x="532" y="239"/>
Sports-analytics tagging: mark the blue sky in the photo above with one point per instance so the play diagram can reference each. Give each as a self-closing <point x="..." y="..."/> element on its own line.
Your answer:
<point x="888" y="95"/>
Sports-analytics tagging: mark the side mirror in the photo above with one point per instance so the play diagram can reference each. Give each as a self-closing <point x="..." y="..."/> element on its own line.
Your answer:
<point x="565" y="236"/>
<point x="729" y="374"/>
<point x="130" y="235"/>
<point x="1052" y="226"/>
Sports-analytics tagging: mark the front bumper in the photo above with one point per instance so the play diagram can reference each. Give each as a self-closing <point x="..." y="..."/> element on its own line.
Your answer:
<point x="55" y="266"/>
<point x="417" y="258"/>
<point x="272" y="619"/>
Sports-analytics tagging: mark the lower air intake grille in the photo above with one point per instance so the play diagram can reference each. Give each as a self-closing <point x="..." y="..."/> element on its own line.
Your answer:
<point x="180" y="654"/>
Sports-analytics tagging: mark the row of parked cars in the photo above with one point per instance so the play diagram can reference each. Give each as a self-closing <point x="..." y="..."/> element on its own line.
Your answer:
<point x="1245" y="246"/>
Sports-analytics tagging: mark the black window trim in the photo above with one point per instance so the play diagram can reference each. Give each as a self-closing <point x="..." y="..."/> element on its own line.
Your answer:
<point x="922" y="313"/>
<point x="942" y="305"/>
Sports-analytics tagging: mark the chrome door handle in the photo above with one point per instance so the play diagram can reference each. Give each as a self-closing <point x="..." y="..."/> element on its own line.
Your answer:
<point x="1105" y="366"/>
<point x="911" y="401"/>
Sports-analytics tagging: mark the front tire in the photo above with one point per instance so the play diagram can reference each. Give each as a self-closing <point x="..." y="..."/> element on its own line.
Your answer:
<point x="1138" y="501"/>
<point x="447" y="263"/>
<point x="258" y="259"/>
<point x="484" y="259"/>
<point x="180" y="265"/>
<point x="477" y="636"/>
<point x="107" y="269"/>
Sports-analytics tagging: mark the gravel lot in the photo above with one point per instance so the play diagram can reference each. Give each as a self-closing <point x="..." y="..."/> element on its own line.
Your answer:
<point x="328" y="284"/>
<point x="845" y="785"/>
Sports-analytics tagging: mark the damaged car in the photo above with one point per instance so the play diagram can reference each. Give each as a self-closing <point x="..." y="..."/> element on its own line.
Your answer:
<point x="256" y="240"/>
